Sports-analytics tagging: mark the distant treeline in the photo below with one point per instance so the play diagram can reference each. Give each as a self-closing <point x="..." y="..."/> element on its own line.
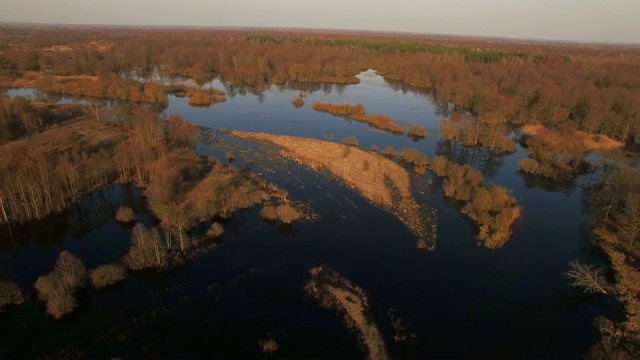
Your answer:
<point x="522" y="83"/>
<point x="412" y="47"/>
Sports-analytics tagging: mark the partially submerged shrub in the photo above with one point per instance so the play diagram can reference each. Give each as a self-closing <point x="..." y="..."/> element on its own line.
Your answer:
<point x="414" y="156"/>
<point x="268" y="212"/>
<point x="230" y="156"/>
<point x="215" y="230"/>
<point x="379" y="121"/>
<point x="417" y="131"/>
<point x="147" y="249"/>
<point x="439" y="165"/>
<point x="388" y="151"/>
<point x="200" y="99"/>
<point x="492" y="207"/>
<point x="61" y="304"/>
<point x="287" y="213"/>
<point x="268" y="346"/>
<point x="57" y="287"/>
<point x="350" y="140"/>
<point x="10" y="294"/>
<point x="297" y="102"/>
<point x="105" y="275"/>
<point x="338" y="109"/>
<point x="125" y="214"/>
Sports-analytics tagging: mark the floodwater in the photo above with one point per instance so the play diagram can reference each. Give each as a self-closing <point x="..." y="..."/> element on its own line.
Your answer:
<point x="460" y="300"/>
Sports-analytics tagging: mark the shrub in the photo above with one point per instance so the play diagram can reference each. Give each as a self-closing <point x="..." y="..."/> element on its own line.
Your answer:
<point x="10" y="294"/>
<point x="230" y="156"/>
<point x="46" y="286"/>
<point x="268" y="346"/>
<point x="337" y="109"/>
<point x="125" y="214"/>
<point x="439" y="165"/>
<point x="297" y="102"/>
<point x="529" y="165"/>
<point x="268" y="212"/>
<point x="287" y="213"/>
<point x="417" y="131"/>
<point x="200" y="99"/>
<point x="388" y="151"/>
<point x="147" y="249"/>
<point x="70" y="271"/>
<point x="414" y="156"/>
<point x="61" y="304"/>
<point x="350" y="140"/>
<point x="215" y="230"/>
<point x="57" y="287"/>
<point x="105" y="275"/>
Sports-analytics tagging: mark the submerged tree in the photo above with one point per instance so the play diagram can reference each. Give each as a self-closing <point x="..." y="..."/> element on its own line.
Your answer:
<point x="587" y="277"/>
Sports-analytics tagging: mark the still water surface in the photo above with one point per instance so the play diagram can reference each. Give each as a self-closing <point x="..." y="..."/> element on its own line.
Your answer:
<point x="458" y="300"/>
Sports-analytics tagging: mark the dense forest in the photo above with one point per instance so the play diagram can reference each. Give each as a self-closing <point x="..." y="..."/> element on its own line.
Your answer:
<point x="565" y="100"/>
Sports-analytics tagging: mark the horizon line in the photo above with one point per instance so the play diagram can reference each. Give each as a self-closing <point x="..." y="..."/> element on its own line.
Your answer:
<point x="337" y="30"/>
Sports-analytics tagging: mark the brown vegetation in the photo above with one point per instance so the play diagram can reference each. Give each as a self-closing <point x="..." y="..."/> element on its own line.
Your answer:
<point x="125" y="214"/>
<point x="106" y="275"/>
<point x="57" y="287"/>
<point x="417" y="131"/>
<point x="216" y="230"/>
<point x="147" y="249"/>
<point x="471" y="132"/>
<point x="593" y="87"/>
<point x="268" y="212"/>
<point x="268" y="346"/>
<point x="384" y="183"/>
<point x="554" y="154"/>
<point x="10" y="294"/>
<point x="200" y="99"/>
<point x="358" y="113"/>
<point x="287" y="213"/>
<point x="339" y="109"/>
<point x="615" y="203"/>
<point x="335" y="292"/>
<point x="590" y="141"/>
<point x="492" y="207"/>
<point x="298" y="102"/>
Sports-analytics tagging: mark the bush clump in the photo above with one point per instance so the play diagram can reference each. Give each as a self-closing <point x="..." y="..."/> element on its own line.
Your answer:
<point x="287" y="213"/>
<point x="297" y="102"/>
<point x="492" y="207"/>
<point x="57" y="287"/>
<point x="215" y="230"/>
<point x="389" y="151"/>
<point x="350" y="140"/>
<point x="125" y="214"/>
<point x="200" y="99"/>
<point x="268" y="212"/>
<point x="417" y="131"/>
<point x="147" y="249"/>
<point x="105" y="275"/>
<point x="10" y="294"/>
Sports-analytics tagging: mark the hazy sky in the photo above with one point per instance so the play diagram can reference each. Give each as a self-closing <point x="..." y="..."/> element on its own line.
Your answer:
<point x="581" y="20"/>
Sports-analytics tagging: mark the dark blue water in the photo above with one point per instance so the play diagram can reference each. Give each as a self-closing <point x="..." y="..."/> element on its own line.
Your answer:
<point x="459" y="300"/>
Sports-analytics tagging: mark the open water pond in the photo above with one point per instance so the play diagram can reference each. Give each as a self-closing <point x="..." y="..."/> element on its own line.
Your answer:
<point x="459" y="300"/>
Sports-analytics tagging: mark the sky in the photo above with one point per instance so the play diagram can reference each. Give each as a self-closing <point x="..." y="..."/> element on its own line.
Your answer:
<point x="614" y="21"/>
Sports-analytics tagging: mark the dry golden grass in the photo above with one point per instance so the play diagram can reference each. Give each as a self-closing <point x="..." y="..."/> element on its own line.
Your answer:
<point x="80" y="133"/>
<point x="590" y="142"/>
<point x="29" y="78"/>
<point x="382" y="182"/>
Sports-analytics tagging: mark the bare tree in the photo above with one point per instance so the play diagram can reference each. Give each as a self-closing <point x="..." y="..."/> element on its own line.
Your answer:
<point x="587" y="277"/>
